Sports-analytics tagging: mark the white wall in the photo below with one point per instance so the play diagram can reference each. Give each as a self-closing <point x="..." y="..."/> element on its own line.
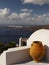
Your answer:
<point x="15" y="55"/>
<point x="3" y="59"/>
<point x="40" y="35"/>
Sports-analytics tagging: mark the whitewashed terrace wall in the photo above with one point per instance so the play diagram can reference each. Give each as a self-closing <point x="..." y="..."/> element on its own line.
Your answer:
<point x="3" y="59"/>
<point x="15" y="55"/>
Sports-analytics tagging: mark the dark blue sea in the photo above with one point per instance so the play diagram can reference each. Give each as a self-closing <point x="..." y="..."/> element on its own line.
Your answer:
<point x="8" y="35"/>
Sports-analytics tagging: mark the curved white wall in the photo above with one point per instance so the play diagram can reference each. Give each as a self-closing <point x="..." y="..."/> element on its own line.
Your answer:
<point x="39" y="35"/>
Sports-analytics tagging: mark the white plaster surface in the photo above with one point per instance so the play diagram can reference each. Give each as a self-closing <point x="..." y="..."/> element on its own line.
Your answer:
<point x="3" y="59"/>
<point x="33" y="63"/>
<point x="41" y="35"/>
<point x="15" y="55"/>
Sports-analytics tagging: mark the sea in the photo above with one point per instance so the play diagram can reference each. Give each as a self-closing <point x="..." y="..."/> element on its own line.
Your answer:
<point x="10" y="34"/>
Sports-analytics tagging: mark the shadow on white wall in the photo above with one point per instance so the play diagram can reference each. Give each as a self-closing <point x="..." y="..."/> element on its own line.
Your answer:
<point x="41" y="35"/>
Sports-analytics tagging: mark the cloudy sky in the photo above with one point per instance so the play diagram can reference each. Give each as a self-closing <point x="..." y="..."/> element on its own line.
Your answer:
<point x="24" y="12"/>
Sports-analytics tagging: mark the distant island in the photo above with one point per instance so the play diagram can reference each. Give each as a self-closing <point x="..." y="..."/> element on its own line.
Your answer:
<point x="36" y="27"/>
<point x="29" y="27"/>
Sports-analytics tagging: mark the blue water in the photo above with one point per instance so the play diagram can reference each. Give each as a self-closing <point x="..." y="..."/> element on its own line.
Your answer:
<point x="8" y="35"/>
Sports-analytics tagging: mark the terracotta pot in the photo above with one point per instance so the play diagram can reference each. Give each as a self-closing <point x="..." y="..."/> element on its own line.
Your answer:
<point x="37" y="50"/>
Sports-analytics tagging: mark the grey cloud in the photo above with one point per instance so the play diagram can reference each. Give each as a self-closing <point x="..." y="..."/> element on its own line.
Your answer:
<point x="24" y="18"/>
<point x="39" y="2"/>
<point x="26" y="10"/>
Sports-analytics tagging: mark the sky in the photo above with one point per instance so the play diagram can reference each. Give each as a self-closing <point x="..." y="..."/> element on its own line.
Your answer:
<point x="24" y="12"/>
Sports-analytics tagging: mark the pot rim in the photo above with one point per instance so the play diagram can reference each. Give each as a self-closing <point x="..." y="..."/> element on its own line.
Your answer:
<point x="37" y="42"/>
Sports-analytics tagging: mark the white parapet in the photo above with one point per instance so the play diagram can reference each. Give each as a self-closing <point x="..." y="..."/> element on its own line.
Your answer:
<point x="20" y="41"/>
<point x="15" y="55"/>
<point x="3" y="58"/>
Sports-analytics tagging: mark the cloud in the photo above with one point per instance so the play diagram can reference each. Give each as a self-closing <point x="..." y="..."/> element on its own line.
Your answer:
<point x="22" y="18"/>
<point x="39" y="2"/>
<point x="7" y="17"/>
<point x="20" y="15"/>
<point x="41" y="19"/>
<point x="24" y="15"/>
<point x="26" y="10"/>
<point x="4" y="12"/>
<point x="19" y="19"/>
<point x="13" y="16"/>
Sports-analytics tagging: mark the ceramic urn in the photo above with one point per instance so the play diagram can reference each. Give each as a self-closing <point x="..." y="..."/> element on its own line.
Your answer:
<point x="37" y="51"/>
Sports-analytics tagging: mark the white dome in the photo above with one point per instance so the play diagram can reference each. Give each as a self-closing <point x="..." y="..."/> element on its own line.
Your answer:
<point x="39" y="35"/>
